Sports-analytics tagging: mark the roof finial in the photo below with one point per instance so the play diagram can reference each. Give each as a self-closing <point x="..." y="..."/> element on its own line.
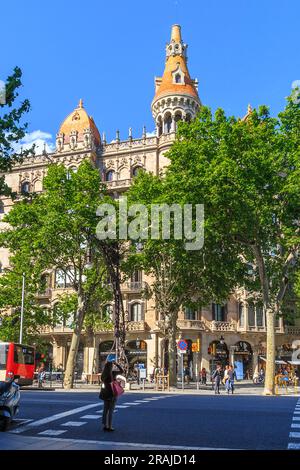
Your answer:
<point x="249" y="108"/>
<point x="80" y="105"/>
<point x="176" y="33"/>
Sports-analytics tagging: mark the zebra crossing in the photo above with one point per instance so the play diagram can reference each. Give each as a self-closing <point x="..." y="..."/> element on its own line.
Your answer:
<point x="294" y="436"/>
<point x="82" y="418"/>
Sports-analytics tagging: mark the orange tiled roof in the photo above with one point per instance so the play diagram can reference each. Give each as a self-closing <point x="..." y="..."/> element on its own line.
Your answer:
<point x="79" y="120"/>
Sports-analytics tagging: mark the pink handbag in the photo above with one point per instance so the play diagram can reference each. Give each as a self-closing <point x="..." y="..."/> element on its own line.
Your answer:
<point x="116" y="388"/>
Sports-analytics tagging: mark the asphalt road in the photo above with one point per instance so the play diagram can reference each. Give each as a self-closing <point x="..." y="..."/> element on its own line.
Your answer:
<point x="183" y="421"/>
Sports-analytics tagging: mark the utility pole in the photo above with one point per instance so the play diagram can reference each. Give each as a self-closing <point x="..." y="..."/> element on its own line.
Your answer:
<point x="22" y="308"/>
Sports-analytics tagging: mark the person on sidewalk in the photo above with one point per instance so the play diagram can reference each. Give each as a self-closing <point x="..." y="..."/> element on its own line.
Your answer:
<point x="217" y="377"/>
<point x="203" y="376"/>
<point x="41" y="375"/>
<point x="231" y="375"/>
<point x="108" y="376"/>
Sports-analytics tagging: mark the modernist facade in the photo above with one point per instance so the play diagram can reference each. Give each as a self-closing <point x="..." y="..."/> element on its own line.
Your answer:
<point x="234" y="332"/>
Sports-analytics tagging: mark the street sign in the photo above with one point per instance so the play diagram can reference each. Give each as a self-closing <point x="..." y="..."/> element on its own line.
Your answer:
<point x="182" y="345"/>
<point x="111" y="357"/>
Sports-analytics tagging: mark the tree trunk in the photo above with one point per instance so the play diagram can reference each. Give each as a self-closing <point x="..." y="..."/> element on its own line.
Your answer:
<point x="71" y="362"/>
<point x="270" y="365"/>
<point x="173" y="350"/>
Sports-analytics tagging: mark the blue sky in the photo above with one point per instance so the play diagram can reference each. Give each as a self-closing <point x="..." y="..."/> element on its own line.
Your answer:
<point x="241" y="51"/>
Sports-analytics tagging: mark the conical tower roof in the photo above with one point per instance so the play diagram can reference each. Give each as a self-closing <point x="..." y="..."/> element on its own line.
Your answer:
<point x="79" y="121"/>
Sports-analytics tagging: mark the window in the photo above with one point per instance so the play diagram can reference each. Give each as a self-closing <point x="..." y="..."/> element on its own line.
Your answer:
<point x="259" y="316"/>
<point x="23" y="355"/>
<point x="219" y="312"/>
<point x="177" y="78"/>
<point x="59" y="278"/>
<point x="168" y="124"/>
<point x="63" y="279"/>
<point x="136" y="312"/>
<point x="110" y="175"/>
<point x="3" y="356"/>
<point x="1" y="208"/>
<point x="241" y="315"/>
<point x="0" y="267"/>
<point x="25" y="187"/>
<point x="190" y="313"/>
<point x="136" y="276"/>
<point x="251" y="315"/>
<point x="136" y="170"/>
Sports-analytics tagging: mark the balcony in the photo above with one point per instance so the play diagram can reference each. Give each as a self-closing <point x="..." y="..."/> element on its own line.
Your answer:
<point x="133" y="286"/>
<point x="137" y="326"/>
<point x="118" y="184"/>
<point x="223" y="326"/>
<point x="292" y="330"/>
<point x="46" y="294"/>
<point x="191" y="325"/>
<point x="60" y="329"/>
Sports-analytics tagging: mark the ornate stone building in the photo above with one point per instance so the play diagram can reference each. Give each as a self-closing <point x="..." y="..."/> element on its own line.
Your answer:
<point x="233" y="332"/>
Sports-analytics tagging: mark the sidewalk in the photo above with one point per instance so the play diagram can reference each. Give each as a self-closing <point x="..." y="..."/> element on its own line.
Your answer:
<point x="245" y="387"/>
<point x="9" y="441"/>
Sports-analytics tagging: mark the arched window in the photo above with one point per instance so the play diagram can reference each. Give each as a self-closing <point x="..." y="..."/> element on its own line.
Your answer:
<point x="177" y="78"/>
<point x="159" y="126"/>
<point x="110" y="175"/>
<point x="251" y="315"/>
<point x="259" y="316"/>
<point x="168" y="124"/>
<point x="25" y="187"/>
<point x="136" y="170"/>
<point x="136" y="312"/>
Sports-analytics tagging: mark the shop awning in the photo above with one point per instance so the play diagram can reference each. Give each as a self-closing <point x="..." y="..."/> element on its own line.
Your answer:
<point x="294" y="363"/>
<point x="277" y="361"/>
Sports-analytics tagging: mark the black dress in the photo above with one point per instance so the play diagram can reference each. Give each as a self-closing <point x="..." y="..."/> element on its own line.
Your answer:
<point x="110" y="401"/>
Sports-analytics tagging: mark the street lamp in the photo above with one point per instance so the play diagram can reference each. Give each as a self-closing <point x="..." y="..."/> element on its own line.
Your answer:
<point x="222" y="340"/>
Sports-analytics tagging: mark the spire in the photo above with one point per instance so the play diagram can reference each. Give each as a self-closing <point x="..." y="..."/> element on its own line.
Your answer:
<point x="80" y="104"/>
<point x="176" y="93"/>
<point x="176" y="33"/>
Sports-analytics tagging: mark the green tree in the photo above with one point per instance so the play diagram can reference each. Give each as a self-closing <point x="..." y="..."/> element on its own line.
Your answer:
<point x="179" y="276"/>
<point x="246" y="172"/>
<point x="58" y="229"/>
<point x="12" y="127"/>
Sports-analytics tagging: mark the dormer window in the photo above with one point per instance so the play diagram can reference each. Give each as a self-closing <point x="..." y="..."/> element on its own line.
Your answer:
<point x="178" y="76"/>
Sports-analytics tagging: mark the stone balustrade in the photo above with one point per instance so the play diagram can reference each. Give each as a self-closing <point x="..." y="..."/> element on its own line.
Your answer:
<point x="222" y="326"/>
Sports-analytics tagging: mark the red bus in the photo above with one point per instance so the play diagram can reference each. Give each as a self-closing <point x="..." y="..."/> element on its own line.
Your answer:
<point x="17" y="359"/>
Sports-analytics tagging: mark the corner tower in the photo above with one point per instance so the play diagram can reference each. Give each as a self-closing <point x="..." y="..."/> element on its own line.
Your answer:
<point x="176" y="94"/>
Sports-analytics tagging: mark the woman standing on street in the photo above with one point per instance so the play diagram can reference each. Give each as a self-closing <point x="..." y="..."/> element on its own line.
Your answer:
<point x="107" y="377"/>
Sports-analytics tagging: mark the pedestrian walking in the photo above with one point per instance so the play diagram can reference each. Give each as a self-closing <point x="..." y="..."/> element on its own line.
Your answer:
<point x="41" y="375"/>
<point x="187" y="377"/>
<point x="231" y="375"/>
<point x="217" y="377"/>
<point x="107" y="394"/>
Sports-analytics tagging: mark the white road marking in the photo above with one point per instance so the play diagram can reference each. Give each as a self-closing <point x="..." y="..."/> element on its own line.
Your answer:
<point x="74" y="423"/>
<point x="297" y="418"/>
<point x="296" y="412"/>
<point x="132" y="403"/>
<point x="152" y="399"/>
<point x="139" y="401"/>
<point x="295" y="425"/>
<point x="122" y="406"/>
<point x="295" y="435"/>
<point x="49" y="419"/>
<point x="51" y="432"/>
<point x="89" y="417"/>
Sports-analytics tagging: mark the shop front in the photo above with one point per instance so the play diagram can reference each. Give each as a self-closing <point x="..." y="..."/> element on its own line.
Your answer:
<point x="219" y="354"/>
<point x="243" y="363"/>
